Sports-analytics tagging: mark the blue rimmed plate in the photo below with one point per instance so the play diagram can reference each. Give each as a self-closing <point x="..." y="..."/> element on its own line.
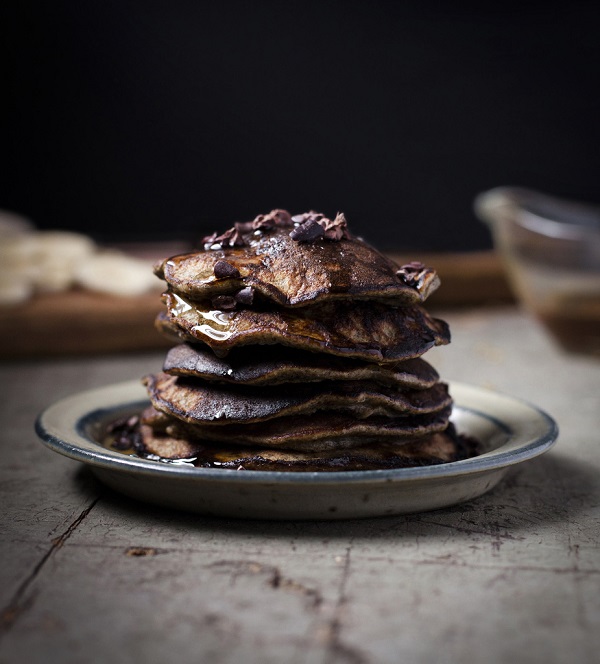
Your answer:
<point x="511" y="431"/>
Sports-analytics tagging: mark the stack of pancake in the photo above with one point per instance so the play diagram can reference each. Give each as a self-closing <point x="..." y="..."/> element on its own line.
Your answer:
<point x="299" y="348"/>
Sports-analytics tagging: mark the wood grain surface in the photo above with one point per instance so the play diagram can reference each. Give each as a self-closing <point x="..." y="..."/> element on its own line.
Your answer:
<point x="77" y="322"/>
<point x="89" y="576"/>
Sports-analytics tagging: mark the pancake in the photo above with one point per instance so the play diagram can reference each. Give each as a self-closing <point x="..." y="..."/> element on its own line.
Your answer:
<point x="435" y="449"/>
<point x="302" y="351"/>
<point x="276" y="365"/>
<point x="203" y="403"/>
<point x="439" y="447"/>
<point x="363" y="330"/>
<point x="293" y="273"/>
<point x="320" y="431"/>
<point x="159" y="434"/>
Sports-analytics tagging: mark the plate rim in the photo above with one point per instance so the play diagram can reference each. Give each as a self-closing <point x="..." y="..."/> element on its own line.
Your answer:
<point x="115" y="461"/>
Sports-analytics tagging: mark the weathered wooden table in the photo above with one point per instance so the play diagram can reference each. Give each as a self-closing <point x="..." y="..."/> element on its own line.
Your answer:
<point x="89" y="576"/>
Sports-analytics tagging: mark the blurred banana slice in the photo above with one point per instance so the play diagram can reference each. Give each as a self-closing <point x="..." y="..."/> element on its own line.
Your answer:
<point x="19" y="269"/>
<point x="13" y="224"/>
<point x="44" y="261"/>
<point x="117" y="274"/>
<point x="58" y="254"/>
<point x="14" y="289"/>
<point x="54" y="261"/>
<point x="63" y="245"/>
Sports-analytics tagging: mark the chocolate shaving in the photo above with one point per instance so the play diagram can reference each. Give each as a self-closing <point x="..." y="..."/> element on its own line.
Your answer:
<point x="275" y="218"/>
<point x="225" y="270"/>
<point x="231" y="238"/>
<point x="308" y="231"/>
<point x="208" y="240"/>
<point x="306" y="216"/>
<point x="337" y="229"/>
<point x="244" y="226"/>
<point x="234" y="237"/>
<point x="309" y="227"/>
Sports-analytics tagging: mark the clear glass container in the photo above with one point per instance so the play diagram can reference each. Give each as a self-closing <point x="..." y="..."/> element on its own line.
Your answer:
<point x="551" y="250"/>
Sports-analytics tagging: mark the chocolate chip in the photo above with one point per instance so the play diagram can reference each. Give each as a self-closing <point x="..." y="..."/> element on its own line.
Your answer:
<point x="225" y="270"/>
<point x="123" y="431"/>
<point x="245" y="296"/>
<point x="122" y="442"/>
<point x="122" y="424"/>
<point x="223" y="302"/>
<point x="137" y="443"/>
<point x="309" y="231"/>
<point x="335" y="230"/>
<point x="235" y="236"/>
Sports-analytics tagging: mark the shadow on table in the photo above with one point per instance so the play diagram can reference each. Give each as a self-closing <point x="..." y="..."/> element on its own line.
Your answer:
<point x="550" y="489"/>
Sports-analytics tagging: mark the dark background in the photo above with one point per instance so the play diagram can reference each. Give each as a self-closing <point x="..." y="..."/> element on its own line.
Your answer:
<point x="146" y="120"/>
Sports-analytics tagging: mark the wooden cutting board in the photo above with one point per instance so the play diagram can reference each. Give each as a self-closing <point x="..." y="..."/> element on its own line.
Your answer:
<point x="81" y="322"/>
<point x="468" y="278"/>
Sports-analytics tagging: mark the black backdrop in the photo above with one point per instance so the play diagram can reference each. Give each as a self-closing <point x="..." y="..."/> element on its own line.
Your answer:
<point x="144" y="119"/>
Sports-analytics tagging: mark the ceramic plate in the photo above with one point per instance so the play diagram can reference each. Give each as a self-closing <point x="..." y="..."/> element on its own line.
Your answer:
<point x="510" y="430"/>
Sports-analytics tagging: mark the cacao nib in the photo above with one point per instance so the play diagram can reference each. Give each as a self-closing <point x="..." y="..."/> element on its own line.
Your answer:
<point x="230" y="238"/>
<point x="208" y="240"/>
<point x="306" y="216"/>
<point x="411" y="272"/>
<point x="262" y="223"/>
<point x="234" y="237"/>
<point x="282" y="218"/>
<point x="337" y="229"/>
<point x="275" y="218"/>
<point x="243" y="226"/>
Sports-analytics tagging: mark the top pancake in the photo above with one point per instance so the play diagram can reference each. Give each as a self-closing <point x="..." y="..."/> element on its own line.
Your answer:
<point x="292" y="273"/>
